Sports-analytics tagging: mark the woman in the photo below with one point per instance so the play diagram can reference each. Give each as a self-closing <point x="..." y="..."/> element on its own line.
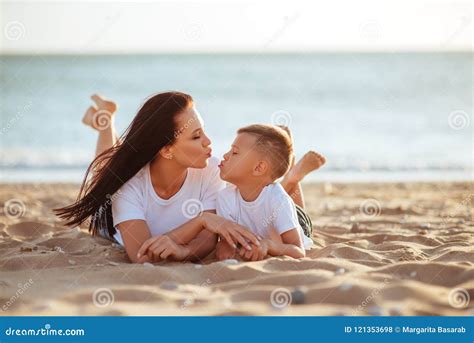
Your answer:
<point x="156" y="184"/>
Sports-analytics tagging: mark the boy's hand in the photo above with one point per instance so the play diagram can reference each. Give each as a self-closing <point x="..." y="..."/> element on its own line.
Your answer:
<point x="229" y="231"/>
<point x="257" y="253"/>
<point x="224" y="251"/>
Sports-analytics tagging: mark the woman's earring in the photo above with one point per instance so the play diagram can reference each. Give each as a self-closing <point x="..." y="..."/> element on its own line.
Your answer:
<point x="170" y="157"/>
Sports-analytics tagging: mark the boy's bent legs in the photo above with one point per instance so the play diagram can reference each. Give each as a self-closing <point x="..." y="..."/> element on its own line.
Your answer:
<point x="291" y="181"/>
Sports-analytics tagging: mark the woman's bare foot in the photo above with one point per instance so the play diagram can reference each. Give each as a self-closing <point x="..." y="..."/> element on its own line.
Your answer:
<point x="310" y="162"/>
<point x="88" y="118"/>
<point x="101" y="115"/>
<point x="104" y="104"/>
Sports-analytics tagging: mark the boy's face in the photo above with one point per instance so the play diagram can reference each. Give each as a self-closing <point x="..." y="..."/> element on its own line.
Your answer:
<point x="240" y="162"/>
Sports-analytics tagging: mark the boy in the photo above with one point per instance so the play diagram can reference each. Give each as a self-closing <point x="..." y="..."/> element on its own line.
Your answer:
<point x="259" y="156"/>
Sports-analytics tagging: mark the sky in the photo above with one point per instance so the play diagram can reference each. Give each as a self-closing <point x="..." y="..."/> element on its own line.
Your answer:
<point x="89" y="27"/>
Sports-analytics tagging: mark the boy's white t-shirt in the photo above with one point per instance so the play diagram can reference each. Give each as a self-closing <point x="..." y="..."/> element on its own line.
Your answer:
<point x="137" y="199"/>
<point x="273" y="208"/>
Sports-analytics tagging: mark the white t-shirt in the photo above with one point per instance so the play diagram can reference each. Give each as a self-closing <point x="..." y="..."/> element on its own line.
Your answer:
<point x="273" y="209"/>
<point x="137" y="199"/>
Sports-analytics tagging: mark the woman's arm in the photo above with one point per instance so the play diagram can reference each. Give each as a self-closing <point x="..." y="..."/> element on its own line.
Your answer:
<point x="135" y="233"/>
<point x="189" y="241"/>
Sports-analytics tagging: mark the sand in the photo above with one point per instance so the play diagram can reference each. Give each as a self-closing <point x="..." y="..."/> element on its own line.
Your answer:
<point x="380" y="249"/>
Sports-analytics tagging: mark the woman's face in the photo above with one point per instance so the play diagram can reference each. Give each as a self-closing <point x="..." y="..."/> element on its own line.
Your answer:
<point x="192" y="148"/>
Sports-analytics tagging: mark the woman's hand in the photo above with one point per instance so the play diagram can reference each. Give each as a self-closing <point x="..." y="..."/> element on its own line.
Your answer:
<point x="257" y="253"/>
<point x="160" y="248"/>
<point x="231" y="232"/>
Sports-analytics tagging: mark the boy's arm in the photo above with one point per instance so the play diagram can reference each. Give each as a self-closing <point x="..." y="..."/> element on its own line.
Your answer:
<point x="224" y="251"/>
<point x="291" y="246"/>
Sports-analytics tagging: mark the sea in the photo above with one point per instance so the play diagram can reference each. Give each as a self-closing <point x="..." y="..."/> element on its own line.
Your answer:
<point x="375" y="116"/>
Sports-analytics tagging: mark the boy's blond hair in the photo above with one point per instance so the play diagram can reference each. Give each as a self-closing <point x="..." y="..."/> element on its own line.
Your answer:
<point x="275" y="144"/>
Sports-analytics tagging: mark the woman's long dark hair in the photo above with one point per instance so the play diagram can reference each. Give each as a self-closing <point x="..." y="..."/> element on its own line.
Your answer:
<point x="153" y="128"/>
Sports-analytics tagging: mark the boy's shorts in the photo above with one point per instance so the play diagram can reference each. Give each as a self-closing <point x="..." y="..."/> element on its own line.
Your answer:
<point x="305" y="222"/>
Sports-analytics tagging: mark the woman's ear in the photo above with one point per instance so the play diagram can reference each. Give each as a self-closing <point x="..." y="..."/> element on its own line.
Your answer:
<point x="166" y="152"/>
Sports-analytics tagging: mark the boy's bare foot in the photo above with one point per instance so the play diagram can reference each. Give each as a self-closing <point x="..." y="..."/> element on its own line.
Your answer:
<point x="310" y="162"/>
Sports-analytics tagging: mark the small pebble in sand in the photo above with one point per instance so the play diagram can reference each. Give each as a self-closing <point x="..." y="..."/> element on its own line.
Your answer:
<point x="169" y="285"/>
<point x="425" y="225"/>
<point x="345" y="286"/>
<point x="198" y="266"/>
<point x="423" y="232"/>
<point x="461" y="221"/>
<point x="58" y="249"/>
<point x="375" y="311"/>
<point x="340" y="271"/>
<point x="355" y="228"/>
<point x="298" y="297"/>
<point x="148" y="265"/>
<point x="113" y="263"/>
<point x="40" y="308"/>
<point x="395" y="311"/>
<point x="413" y="274"/>
<point x="26" y="249"/>
<point x="328" y="188"/>
<point x="227" y="303"/>
<point x="72" y="262"/>
<point x="230" y="261"/>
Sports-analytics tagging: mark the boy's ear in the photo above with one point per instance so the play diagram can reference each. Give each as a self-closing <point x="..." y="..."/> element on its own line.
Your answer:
<point x="261" y="168"/>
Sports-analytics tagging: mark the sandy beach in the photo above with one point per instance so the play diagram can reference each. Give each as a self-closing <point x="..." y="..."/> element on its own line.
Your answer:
<point x="380" y="249"/>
